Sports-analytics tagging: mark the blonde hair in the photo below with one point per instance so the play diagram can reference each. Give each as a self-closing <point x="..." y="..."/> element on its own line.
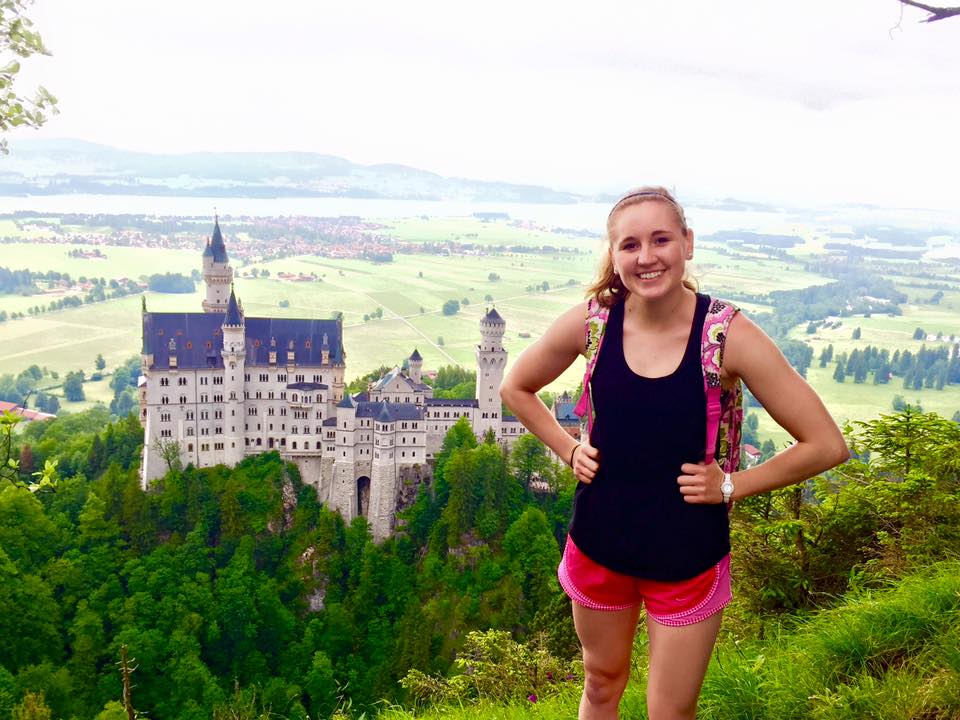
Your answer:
<point x="608" y="289"/>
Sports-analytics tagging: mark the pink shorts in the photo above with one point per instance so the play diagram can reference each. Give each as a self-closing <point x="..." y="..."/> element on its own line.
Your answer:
<point x="669" y="603"/>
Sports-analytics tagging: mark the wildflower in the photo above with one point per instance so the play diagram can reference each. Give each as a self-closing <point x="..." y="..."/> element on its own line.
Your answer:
<point x="532" y="698"/>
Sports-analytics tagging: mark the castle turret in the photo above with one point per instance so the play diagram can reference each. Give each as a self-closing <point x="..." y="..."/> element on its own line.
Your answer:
<point x="416" y="366"/>
<point x="217" y="273"/>
<point x="345" y="492"/>
<point x="234" y="356"/>
<point x="491" y="361"/>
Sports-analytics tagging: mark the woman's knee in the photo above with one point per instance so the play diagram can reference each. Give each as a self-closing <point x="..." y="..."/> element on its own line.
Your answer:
<point x="603" y="686"/>
<point x="669" y="706"/>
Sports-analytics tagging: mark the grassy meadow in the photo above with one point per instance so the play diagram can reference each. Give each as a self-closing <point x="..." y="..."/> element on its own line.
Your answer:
<point x="411" y="290"/>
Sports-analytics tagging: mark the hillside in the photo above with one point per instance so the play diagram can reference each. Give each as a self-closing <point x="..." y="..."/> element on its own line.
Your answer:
<point x="45" y="167"/>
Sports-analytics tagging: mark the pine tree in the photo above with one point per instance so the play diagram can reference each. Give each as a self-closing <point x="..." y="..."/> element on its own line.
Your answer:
<point x="840" y="374"/>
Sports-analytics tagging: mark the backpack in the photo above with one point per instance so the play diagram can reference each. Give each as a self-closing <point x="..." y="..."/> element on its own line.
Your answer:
<point x="724" y="407"/>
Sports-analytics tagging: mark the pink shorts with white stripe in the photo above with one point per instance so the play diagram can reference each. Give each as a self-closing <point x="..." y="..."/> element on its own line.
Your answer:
<point x="669" y="603"/>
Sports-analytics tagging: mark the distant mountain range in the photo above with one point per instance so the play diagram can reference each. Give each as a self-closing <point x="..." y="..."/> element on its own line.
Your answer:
<point x="57" y="167"/>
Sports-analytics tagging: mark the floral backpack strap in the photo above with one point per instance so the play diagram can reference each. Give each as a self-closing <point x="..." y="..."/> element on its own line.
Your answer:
<point x="596" y="323"/>
<point x="715" y="327"/>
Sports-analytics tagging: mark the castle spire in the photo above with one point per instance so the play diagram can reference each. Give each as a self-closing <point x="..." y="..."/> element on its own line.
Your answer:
<point x="234" y="315"/>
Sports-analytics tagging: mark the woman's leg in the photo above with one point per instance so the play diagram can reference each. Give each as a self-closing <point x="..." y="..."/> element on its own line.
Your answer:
<point x="607" y="640"/>
<point x="678" y="661"/>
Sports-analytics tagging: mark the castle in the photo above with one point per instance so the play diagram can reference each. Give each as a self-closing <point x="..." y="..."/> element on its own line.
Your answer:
<point x="218" y="386"/>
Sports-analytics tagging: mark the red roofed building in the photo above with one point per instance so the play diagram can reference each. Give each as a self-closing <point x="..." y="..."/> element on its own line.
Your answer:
<point x="27" y="415"/>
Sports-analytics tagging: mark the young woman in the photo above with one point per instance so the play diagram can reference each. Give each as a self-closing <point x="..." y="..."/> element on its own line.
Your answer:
<point x="650" y="518"/>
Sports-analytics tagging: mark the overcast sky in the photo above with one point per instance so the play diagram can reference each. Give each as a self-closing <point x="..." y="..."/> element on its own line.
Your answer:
<point x="820" y="101"/>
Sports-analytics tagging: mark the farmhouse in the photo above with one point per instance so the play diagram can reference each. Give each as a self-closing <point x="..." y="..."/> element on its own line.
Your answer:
<point x="218" y="385"/>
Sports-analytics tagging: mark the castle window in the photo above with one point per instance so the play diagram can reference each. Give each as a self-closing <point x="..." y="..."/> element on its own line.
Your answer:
<point x="256" y="343"/>
<point x="189" y="414"/>
<point x="294" y="444"/>
<point x="160" y="332"/>
<point x="307" y="345"/>
<point x="209" y="344"/>
<point x="190" y="447"/>
<point x="189" y="432"/>
<point x="181" y="381"/>
<point x="189" y="345"/>
<point x="259" y="441"/>
<point x="183" y="399"/>
<point x="164" y="382"/>
<point x="164" y="400"/>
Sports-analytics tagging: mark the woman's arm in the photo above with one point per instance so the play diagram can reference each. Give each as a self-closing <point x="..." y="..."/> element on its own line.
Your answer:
<point x="539" y="365"/>
<point x="752" y="356"/>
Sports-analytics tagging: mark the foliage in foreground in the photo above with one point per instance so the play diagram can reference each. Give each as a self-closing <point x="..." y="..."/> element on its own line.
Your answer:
<point x="885" y="655"/>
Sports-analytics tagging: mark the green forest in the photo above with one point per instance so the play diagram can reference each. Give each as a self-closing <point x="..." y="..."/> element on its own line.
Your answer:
<point x="232" y="593"/>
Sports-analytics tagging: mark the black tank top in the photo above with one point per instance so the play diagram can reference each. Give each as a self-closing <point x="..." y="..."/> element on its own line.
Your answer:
<point x="632" y="517"/>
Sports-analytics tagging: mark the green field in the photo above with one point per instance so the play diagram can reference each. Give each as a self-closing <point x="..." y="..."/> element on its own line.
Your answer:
<point x="71" y="339"/>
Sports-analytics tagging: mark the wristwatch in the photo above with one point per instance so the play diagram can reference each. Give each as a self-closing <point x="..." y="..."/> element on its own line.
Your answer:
<point x="726" y="487"/>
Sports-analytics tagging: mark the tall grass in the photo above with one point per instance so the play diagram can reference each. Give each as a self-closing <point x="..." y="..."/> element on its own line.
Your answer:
<point x="884" y="655"/>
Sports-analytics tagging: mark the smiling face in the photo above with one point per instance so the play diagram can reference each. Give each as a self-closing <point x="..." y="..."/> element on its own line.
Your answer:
<point x="649" y="247"/>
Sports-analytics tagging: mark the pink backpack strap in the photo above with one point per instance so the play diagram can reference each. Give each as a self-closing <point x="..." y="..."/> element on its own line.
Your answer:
<point x="715" y="327"/>
<point x="596" y="323"/>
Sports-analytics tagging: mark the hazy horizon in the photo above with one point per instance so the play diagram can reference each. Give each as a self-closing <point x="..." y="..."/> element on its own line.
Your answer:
<point x="812" y="104"/>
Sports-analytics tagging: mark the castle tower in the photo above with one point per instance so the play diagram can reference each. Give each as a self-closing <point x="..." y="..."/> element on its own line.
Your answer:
<point x="383" y="476"/>
<point x="217" y="273"/>
<point x="345" y="495"/>
<point x="416" y="366"/>
<point x="234" y="354"/>
<point x="491" y="361"/>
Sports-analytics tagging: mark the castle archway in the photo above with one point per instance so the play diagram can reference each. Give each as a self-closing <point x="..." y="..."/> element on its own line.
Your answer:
<point x="363" y="495"/>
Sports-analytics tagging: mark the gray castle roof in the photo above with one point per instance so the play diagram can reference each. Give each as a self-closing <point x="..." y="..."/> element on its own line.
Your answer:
<point x="446" y="402"/>
<point x="493" y="316"/>
<point x="306" y="386"/>
<point x="233" y="315"/>
<point x="416" y="355"/>
<point x="389" y="412"/>
<point x="199" y="340"/>
<point x="346" y="402"/>
<point x="396" y="372"/>
<point x="215" y="247"/>
<point x="563" y="410"/>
